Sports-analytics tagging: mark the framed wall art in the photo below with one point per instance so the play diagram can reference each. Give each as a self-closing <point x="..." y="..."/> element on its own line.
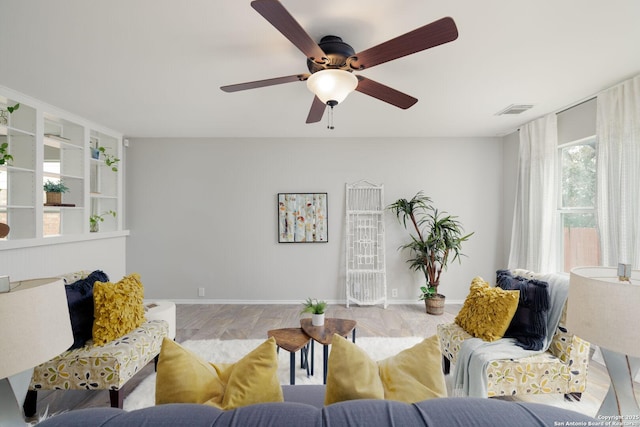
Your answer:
<point x="302" y="218"/>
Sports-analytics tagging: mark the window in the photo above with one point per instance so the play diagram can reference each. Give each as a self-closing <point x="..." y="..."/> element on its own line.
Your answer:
<point x="580" y="245"/>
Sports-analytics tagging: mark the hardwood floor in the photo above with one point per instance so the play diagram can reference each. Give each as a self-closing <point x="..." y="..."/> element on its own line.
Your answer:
<point x="203" y="321"/>
<point x="253" y="321"/>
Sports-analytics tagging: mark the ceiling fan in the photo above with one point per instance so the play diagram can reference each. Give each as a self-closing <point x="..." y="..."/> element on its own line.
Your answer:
<point x="331" y="62"/>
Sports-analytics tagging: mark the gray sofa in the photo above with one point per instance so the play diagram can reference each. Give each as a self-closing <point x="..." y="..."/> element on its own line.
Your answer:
<point x="303" y="406"/>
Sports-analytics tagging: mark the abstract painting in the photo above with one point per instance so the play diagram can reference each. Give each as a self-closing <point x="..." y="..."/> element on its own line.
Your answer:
<point x="302" y="218"/>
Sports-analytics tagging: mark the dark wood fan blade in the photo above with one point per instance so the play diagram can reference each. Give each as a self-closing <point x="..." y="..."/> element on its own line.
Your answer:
<point x="263" y="83"/>
<point x="274" y="12"/>
<point x="385" y="93"/>
<point x="317" y="110"/>
<point x="438" y="32"/>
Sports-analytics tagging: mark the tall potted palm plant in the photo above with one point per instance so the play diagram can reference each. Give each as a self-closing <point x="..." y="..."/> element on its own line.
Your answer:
<point x="437" y="242"/>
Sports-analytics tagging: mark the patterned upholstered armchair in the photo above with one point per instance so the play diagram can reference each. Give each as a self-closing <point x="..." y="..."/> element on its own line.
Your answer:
<point x="561" y="369"/>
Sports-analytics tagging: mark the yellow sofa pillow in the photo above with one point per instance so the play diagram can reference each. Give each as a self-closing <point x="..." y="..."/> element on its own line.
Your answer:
<point x="351" y="373"/>
<point x="487" y="311"/>
<point x="184" y="377"/>
<point x="413" y="375"/>
<point x="117" y="308"/>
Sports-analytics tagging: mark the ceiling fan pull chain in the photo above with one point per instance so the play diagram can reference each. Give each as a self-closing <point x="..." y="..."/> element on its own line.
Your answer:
<point x="330" y="119"/>
<point x="331" y="103"/>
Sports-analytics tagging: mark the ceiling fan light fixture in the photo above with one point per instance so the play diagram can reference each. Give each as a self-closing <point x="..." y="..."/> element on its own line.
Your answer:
<point x="332" y="85"/>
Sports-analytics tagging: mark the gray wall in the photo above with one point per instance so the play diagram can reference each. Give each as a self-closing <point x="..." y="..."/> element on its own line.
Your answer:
<point x="578" y="122"/>
<point x="511" y="144"/>
<point x="202" y="212"/>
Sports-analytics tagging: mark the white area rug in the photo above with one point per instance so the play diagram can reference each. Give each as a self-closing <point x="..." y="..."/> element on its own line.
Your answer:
<point x="230" y="351"/>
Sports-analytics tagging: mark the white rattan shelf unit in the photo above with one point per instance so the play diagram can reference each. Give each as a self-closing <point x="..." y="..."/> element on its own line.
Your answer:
<point x="366" y="277"/>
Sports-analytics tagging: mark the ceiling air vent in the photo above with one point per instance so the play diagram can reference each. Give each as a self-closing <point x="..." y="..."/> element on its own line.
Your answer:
<point x="514" y="109"/>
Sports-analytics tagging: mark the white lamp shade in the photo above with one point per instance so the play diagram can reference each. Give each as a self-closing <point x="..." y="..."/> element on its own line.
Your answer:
<point x="332" y="85"/>
<point x="34" y="324"/>
<point x="603" y="310"/>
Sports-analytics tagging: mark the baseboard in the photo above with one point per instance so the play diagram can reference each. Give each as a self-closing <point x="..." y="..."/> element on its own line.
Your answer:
<point x="283" y="302"/>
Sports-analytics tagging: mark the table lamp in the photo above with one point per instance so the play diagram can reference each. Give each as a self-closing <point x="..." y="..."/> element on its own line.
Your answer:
<point x="34" y="327"/>
<point x="604" y="308"/>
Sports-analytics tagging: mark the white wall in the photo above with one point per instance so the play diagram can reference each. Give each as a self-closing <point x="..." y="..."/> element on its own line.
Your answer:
<point x="52" y="260"/>
<point x="202" y="212"/>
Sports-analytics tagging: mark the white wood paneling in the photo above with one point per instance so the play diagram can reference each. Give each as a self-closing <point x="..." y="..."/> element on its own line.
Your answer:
<point x="50" y="260"/>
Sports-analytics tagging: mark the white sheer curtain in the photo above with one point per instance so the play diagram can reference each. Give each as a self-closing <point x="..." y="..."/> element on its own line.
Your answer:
<point x="618" y="132"/>
<point x="533" y="237"/>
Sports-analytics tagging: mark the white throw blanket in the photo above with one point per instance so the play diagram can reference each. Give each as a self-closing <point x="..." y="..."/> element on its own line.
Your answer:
<point x="470" y="371"/>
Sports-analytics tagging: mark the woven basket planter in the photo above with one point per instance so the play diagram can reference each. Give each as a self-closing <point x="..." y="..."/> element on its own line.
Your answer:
<point x="54" y="198"/>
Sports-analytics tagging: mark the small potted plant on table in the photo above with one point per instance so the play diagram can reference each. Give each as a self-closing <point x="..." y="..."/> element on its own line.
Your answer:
<point x="54" y="192"/>
<point x="317" y="309"/>
<point x="437" y="241"/>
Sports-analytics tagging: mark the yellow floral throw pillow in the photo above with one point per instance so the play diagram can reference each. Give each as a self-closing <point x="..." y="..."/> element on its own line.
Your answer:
<point x="413" y="375"/>
<point x="184" y="377"/>
<point x="117" y="308"/>
<point x="487" y="311"/>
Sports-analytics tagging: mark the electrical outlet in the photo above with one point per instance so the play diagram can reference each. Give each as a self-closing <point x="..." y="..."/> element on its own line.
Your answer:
<point x="394" y="293"/>
<point x="200" y="292"/>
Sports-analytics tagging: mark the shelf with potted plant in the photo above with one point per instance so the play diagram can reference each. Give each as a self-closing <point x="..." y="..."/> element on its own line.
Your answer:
<point x="64" y="161"/>
<point x="17" y="137"/>
<point x="54" y="191"/>
<point x="100" y="156"/>
<point x="96" y="219"/>
<point x="104" y="175"/>
<point x="17" y="167"/>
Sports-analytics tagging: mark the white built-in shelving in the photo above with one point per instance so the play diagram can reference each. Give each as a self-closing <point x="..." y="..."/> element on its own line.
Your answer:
<point x="49" y="144"/>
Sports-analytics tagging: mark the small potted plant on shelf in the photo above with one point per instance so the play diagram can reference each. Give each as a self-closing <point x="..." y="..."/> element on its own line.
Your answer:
<point x="96" y="219"/>
<point x="109" y="159"/>
<point x="437" y="241"/>
<point x="4" y="114"/>
<point x="54" y="192"/>
<point x="5" y="157"/>
<point x="317" y="309"/>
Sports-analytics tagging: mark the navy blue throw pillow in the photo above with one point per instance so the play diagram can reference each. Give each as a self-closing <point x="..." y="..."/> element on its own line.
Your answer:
<point x="529" y="323"/>
<point x="80" y="301"/>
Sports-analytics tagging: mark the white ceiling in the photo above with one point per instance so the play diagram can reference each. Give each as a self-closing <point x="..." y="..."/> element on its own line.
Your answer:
<point x="154" y="67"/>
